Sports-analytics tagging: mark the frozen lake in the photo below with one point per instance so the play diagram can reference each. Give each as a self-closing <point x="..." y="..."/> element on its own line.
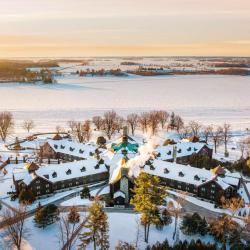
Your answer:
<point x="209" y="99"/>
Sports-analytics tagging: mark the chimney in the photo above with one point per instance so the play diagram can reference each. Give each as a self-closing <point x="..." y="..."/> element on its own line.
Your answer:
<point x="174" y="153"/>
<point x="125" y="131"/>
<point x="125" y="135"/>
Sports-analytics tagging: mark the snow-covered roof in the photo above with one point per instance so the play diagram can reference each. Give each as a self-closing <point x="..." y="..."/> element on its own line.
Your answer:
<point x="173" y="171"/>
<point x="65" y="146"/>
<point x="119" y="194"/>
<point x="64" y="171"/>
<point x="182" y="149"/>
<point x="28" y="178"/>
<point x="187" y="174"/>
<point x="113" y="159"/>
<point x="60" y="172"/>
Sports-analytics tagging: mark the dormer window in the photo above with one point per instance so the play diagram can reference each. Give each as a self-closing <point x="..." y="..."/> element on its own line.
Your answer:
<point x="68" y="172"/>
<point x="169" y="152"/>
<point x="83" y="169"/>
<point x="179" y="151"/>
<point x="54" y="175"/>
<point x="101" y="161"/>
<point x="189" y="149"/>
<point x="152" y="167"/>
<point x="55" y="146"/>
<point x="97" y="166"/>
<point x="91" y="153"/>
<point x="71" y="149"/>
<point x="81" y="151"/>
<point x="46" y="176"/>
<point x="196" y="177"/>
<point x="166" y="171"/>
<point x="181" y="174"/>
<point x="62" y="147"/>
<point x="195" y="149"/>
<point x="159" y="155"/>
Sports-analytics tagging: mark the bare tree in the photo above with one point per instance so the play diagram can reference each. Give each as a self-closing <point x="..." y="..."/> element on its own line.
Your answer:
<point x="207" y="132"/>
<point x="6" y="124"/>
<point x="59" y="129"/>
<point x="216" y="137"/>
<point x="72" y="125"/>
<point x="28" y="125"/>
<point x="67" y="227"/>
<point x="194" y="128"/>
<point x="82" y="131"/>
<point x="153" y="121"/>
<point x="15" y="226"/>
<point x="234" y="204"/>
<point x="175" y="209"/>
<point x="98" y="122"/>
<point x="178" y="123"/>
<point x="184" y="132"/>
<point x="242" y="147"/>
<point x="109" y="123"/>
<point x="119" y="123"/>
<point x="132" y="120"/>
<point x="226" y="134"/>
<point x="163" y="117"/>
<point x="143" y="121"/>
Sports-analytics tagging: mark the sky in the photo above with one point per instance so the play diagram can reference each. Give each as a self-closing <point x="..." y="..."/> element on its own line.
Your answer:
<point x="124" y="28"/>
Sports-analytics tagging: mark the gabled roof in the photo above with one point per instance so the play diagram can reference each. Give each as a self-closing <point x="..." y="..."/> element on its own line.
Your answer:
<point x="65" y="146"/>
<point x="190" y="175"/>
<point x="182" y="149"/>
<point x="31" y="166"/>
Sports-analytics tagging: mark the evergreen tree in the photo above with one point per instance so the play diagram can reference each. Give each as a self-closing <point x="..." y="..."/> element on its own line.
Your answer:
<point x="194" y="224"/>
<point x="148" y="196"/>
<point x="85" y="193"/>
<point x="97" y="228"/>
<point x="26" y="196"/>
<point x="46" y="215"/>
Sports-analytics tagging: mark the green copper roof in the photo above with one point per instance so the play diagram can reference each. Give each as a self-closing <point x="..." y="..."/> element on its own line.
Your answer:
<point x="132" y="147"/>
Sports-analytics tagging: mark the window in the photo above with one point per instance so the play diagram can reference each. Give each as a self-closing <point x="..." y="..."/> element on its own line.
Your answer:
<point x="166" y="171"/>
<point x="47" y="191"/>
<point x="62" y="186"/>
<point x="71" y="149"/>
<point x="81" y="151"/>
<point x="196" y="177"/>
<point x="70" y="184"/>
<point x="68" y="172"/>
<point x="181" y="174"/>
<point x="213" y="186"/>
<point x="97" y="166"/>
<point x="212" y="191"/>
<point x="38" y="187"/>
<point x="179" y="186"/>
<point x="54" y="175"/>
<point x="38" y="193"/>
<point x="152" y="167"/>
<point x="77" y="183"/>
<point x="47" y="185"/>
<point x="203" y="189"/>
<point x="37" y="182"/>
<point x="55" y="146"/>
<point x="83" y="169"/>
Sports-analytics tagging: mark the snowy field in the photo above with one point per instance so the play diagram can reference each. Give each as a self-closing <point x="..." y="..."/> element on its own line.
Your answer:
<point x="121" y="228"/>
<point x="208" y="99"/>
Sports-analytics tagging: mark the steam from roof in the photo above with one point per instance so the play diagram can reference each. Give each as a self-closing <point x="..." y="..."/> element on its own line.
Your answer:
<point x="145" y="153"/>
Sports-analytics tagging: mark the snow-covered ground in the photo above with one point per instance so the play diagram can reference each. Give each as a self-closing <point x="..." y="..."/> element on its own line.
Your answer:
<point x="122" y="227"/>
<point x="208" y="99"/>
